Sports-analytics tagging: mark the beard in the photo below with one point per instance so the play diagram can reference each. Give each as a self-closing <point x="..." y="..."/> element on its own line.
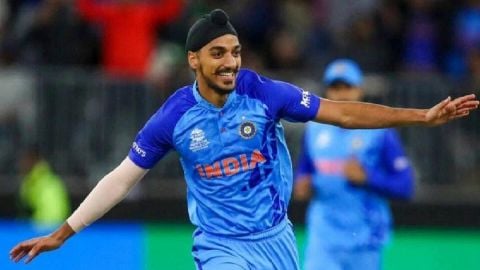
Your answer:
<point x="216" y="87"/>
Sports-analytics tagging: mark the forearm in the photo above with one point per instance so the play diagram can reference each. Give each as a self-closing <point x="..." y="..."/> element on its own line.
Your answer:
<point x="367" y="115"/>
<point x="108" y="192"/>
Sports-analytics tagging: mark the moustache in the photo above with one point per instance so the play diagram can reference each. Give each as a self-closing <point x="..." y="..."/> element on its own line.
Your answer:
<point x="234" y="70"/>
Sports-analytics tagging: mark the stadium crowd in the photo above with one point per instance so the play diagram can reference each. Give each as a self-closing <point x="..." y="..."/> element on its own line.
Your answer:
<point x="383" y="36"/>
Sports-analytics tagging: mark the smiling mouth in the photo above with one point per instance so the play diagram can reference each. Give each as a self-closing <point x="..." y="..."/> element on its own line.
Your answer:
<point x="230" y="74"/>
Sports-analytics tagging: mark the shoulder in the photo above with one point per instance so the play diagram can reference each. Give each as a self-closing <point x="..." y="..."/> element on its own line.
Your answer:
<point x="248" y="82"/>
<point x="259" y="86"/>
<point x="174" y="107"/>
<point x="178" y="103"/>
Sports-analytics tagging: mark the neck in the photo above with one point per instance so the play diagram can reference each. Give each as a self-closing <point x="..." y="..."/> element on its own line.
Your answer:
<point x="211" y="95"/>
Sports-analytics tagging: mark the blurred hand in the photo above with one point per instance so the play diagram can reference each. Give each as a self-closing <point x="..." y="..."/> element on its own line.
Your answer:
<point x="354" y="172"/>
<point x="31" y="248"/>
<point x="302" y="190"/>
<point x="449" y="109"/>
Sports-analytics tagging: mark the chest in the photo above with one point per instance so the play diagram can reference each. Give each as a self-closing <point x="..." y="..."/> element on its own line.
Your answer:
<point x="237" y="132"/>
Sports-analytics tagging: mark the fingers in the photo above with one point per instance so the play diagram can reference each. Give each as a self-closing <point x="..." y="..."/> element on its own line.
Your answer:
<point x="442" y="105"/>
<point x="23" y="246"/>
<point x="18" y="256"/>
<point x="21" y="250"/>
<point x="468" y="100"/>
<point x="471" y="104"/>
<point x="33" y="253"/>
<point x="465" y="98"/>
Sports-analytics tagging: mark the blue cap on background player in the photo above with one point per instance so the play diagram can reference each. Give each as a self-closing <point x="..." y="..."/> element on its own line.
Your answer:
<point x="345" y="71"/>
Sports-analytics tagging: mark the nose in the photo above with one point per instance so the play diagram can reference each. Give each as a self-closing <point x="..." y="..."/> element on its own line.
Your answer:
<point x="230" y="61"/>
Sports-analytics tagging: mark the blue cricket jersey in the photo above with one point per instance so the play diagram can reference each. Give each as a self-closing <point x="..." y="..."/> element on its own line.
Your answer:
<point x="235" y="160"/>
<point x="341" y="215"/>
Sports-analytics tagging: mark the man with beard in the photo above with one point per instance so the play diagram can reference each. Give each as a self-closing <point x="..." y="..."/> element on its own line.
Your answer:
<point x="226" y="128"/>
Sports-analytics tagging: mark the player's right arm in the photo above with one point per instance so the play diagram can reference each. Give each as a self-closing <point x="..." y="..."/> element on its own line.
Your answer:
<point x="106" y="194"/>
<point x="367" y="115"/>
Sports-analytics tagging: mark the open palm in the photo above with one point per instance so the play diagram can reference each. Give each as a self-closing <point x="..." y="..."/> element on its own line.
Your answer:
<point x="449" y="109"/>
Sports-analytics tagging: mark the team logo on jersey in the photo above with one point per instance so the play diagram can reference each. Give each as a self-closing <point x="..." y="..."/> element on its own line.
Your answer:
<point x="198" y="140"/>
<point x="247" y="130"/>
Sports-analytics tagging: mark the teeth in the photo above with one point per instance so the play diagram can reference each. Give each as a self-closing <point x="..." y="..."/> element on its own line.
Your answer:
<point x="225" y="73"/>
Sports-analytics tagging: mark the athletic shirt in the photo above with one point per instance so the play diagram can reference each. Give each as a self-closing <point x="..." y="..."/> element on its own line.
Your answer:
<point x="235" y="159"/>
<point x="343" y="215"/>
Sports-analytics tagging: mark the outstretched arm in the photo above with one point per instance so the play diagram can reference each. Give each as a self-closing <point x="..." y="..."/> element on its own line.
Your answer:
<point x="108" y="192"/>
<point x="368" y="115"/>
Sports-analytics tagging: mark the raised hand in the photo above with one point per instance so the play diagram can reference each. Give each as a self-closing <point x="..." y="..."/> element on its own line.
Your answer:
<point x="449" y="109"/>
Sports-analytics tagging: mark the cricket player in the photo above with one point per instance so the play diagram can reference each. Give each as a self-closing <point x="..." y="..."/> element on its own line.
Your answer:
<point x="225" y="126"/>
<point x="349" y="175"/>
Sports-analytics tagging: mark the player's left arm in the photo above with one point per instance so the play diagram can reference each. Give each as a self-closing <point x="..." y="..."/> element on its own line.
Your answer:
<point x="369" y="115"/>
<point x="393" y="176"/>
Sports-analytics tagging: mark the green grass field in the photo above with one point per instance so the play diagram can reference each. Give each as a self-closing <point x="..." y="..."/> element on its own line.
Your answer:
<point x="168" y="247"/>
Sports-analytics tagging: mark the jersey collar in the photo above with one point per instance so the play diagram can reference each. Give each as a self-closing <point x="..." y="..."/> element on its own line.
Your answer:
<point x="231" y="97"/>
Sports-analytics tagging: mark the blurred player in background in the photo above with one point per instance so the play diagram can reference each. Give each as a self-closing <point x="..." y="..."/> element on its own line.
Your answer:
<point x="43" y="195"/>
<point x="225" y="126"/>
<point x="348" y="175"/>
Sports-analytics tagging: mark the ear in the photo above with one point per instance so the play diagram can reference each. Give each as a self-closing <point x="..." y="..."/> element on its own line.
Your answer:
<point x="193" y="60"/>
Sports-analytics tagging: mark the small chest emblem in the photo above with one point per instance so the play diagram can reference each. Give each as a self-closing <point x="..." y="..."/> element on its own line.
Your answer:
<point x="198" y="140"/>
<point x="247" y="130"/>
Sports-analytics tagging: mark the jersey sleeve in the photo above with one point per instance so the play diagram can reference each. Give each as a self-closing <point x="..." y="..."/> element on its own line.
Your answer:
<point x="285" y="100"/>
<point x="153" y="141"/>
<point x="396" y="178"/>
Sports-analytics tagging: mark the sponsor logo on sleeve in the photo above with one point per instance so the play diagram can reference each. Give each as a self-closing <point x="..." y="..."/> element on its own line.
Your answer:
<point x="136" y="148"/>
<point x="306" y="96"/>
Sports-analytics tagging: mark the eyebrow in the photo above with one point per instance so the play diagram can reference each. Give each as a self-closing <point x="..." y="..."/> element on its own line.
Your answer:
<point x="221" y="48"/>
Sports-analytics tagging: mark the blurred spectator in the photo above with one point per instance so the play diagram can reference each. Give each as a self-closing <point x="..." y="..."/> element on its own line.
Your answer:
<point x="17" y="114"/>
<point x="129" y="31"/>
<point x="43" y="194"/>
<point x="57" y="37"/>
<point x="390" y="21"/>
<point x="364" y="44"/>
<point x="4" y="15"/>
<point x="466" y="37"/>
<point x="421" y="41"/>
<point x="262" y="16"/>
<point x="285" y="51"/>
